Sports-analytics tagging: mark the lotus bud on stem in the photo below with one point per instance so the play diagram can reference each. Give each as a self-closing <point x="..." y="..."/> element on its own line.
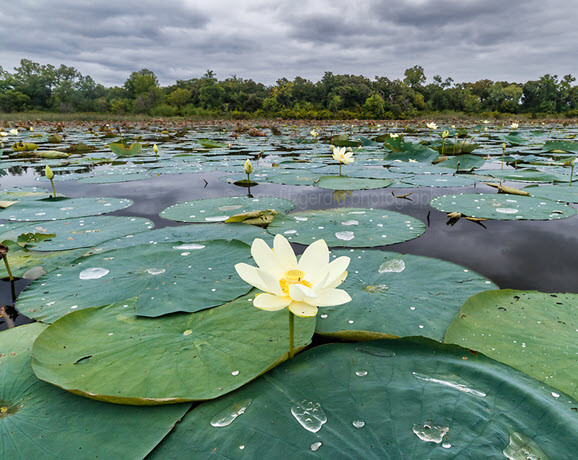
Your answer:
<point x="248" y="169"/>
<point x="445" y="134"/>
<point x="50" y="175"/>
<point x="503" y="151"/>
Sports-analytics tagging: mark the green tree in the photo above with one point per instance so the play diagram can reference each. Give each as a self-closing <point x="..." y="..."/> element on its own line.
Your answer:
<point x="414" y="76"/>
<point x="140" y="82"/>
<point x="374" y="106"/>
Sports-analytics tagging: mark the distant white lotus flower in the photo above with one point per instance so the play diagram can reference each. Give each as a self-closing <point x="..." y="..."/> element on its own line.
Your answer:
<point x="514" y="126"/>
<point x="342" y="156"/>
<point x="432" y="125"/>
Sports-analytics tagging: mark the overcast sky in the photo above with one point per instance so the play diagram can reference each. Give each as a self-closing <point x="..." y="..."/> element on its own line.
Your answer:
<point x="263" y="40"/>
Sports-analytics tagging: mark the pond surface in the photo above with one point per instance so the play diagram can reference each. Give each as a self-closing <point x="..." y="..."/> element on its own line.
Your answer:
<point x="518" y="254"/>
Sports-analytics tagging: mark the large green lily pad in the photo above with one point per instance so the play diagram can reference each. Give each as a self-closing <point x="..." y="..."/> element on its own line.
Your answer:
<point x="83" y="232"/>
<point x="397" y="295"/>
<point x="220" y="209"/>
<point x="463" y="162"/>
<point x="63" y="208"/>
<point x="389" y="399"/>
<point x="188" y="234"/>
<point x="293" y="178"/>
<point x="113" y="178"/>
<point x="562" y="193"/>
<point x="439" y="180"/>
<point x="561" y="145"/>
<point x="413" y="152"/>
<point x="351" y="183"/>
<point x="31" y="264"/>
<point x="502" y="206"/>
<point x="124" y="358"/>
<point x="531" y="331"/>
<point x="41" y="421"/>
<point x="166" y="278"/>
<point x="24" y="194"/>
<point x="521" y="175"/>
<point x="350" y="227"/>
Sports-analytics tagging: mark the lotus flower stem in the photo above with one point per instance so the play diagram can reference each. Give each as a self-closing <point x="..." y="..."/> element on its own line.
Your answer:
<point x="8" y="268"/>
<point x="291" y="334"/>
<point x="571" y="173"/>
<point x="340" y="169"/>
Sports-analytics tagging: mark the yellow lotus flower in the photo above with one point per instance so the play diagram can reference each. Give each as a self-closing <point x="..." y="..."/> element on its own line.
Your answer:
<point x="486" y="122"/>
<point x="13" y="131"/>
<point x="394" y="135"/>
<point x="314" y="133"/>
<point x="341" y="155"/>
<point x="3" y="134"/>
<point x="248" y="167"/>
<point x="432" y="125"/>
<point x="445" y="134"/>
<point x="48" y="173"/>
<point x="299" y="285"/>
<point x="514" y="126"/>
<point x="155" y="148"/>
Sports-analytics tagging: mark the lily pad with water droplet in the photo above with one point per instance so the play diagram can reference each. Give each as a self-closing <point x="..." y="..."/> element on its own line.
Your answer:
<point x="127" y="359"/>
<point x="502" y="206"/>
<point x="113" y="178"/>
<point x="397" y="295"/>
<point x="32" y="264"/>
<point x="463" y="162"/>
<point x="63" y="208"/>
<point x="41" y="421"/>
<point x="187" y="233"/>
<point x="439" y="180"/>
<point x="24" y="194"/>
<point x="534" y="332"/>
<point x="197" y="276"/>
<point x="351" y="183"/>
<point x="562" y="193"/>
<point x="220" y="209"/>
<point x="462" y="406"/>
<point x="521" y="175"/>
<point x="349" y="227"/>
<point x="83" y="232"/>
<point x="293" y="178"/>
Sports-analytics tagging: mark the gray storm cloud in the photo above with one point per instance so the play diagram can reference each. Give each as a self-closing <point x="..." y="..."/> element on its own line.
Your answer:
<point x="263" y="40"/>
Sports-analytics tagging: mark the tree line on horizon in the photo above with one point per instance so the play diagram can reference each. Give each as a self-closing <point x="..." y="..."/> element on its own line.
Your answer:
<point x="46" y="88"/>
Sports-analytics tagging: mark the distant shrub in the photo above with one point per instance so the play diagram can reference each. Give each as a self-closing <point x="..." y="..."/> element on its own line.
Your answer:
<point x="164" y="110"/>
